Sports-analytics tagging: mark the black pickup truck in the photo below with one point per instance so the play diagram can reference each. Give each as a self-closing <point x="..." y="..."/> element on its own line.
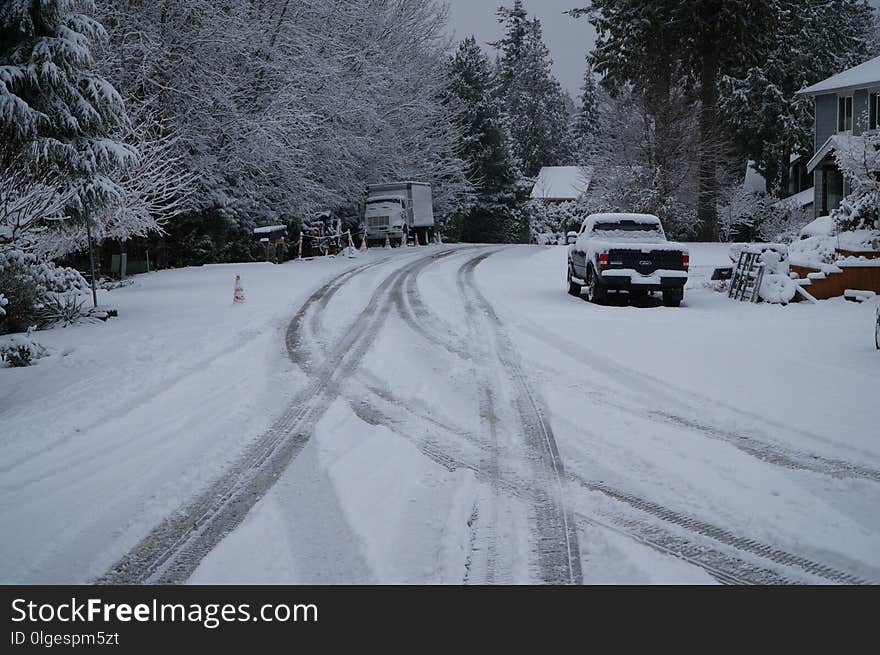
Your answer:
<point x="626" y="253"/>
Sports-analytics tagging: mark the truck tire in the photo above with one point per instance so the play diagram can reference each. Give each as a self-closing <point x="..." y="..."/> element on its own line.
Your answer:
<point x="596" y="291"/>
<point x="574" y="288"/>
<point x="672" y="297"/>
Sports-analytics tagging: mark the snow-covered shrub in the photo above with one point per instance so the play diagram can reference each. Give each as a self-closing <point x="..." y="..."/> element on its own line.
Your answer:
<point x="19" y="350"/>
<point x="858" y="158"/>
<point x="549" y="223"/>
<point x="34" y="290"/>
<point x="750" y="216"/>
<point x="813" y="251"/>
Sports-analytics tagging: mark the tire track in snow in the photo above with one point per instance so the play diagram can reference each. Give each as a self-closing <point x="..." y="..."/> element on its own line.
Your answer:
<point x="173" y="550"/>
<point x="762" y="449"/>
<point x="734" y="568"/>
<point x="557" y="543"/>
<point x="724" y="536"/>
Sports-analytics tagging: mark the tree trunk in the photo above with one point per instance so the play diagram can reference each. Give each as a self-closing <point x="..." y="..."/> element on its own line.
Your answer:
<point x="707" y="212"/>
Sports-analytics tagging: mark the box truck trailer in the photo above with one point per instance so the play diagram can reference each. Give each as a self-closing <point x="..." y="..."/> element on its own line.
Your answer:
<point x="399" y="211"/>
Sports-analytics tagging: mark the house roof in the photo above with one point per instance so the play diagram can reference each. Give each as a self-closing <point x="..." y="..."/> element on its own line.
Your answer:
<point x="866" y="74"/>
<point x="754" y="182"/>
<point x="561" y="183"/>
<point x="797" y="201"/>
<point x="833" y="142"/>
<point x="269" y="229"/>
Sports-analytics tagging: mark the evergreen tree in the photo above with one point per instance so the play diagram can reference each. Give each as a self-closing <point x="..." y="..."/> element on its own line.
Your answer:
<point x="485" y="148"/>
<point x="586" y="125"/>
<point x="534" y="102"/>
<point x="55" y="110"/>
<point x="654" y="43"/>
<point x="814" y="39"/>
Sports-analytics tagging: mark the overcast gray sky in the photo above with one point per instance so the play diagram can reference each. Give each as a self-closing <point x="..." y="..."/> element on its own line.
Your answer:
<point x="569" y="39"/>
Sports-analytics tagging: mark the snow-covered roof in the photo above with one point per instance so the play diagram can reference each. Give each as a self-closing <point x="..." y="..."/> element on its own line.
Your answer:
<point x="268" y="229"/>
<point x="798" y="200"/>
<point x="866" y="74"/>
<point x="561" y="183"/>
<point x="834" y="142"/>
<point x="754" y="182"/>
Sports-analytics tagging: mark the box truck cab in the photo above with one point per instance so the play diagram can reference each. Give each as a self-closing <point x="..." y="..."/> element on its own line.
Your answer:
<point x="398" y="211"/>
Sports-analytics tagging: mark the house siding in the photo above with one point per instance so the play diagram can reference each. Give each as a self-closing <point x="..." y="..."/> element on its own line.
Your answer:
<point x="826" y="119"/>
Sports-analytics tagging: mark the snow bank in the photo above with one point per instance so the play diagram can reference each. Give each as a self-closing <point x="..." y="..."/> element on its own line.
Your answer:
<point x="820" y="227"/>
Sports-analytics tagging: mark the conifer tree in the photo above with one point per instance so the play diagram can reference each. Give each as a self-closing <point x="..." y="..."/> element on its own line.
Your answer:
<point x="54" y="109"/>
<point x="586" y="125"/>
<point x="485" y="148"/>
<point x="534" y="102"/>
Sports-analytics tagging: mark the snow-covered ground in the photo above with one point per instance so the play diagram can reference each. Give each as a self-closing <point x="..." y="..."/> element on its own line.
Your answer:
<point x="442" y="415"/>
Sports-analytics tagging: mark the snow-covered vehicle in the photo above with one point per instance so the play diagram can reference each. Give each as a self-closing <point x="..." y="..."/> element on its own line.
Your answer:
<point x="397" y="211"/>
<point x="626" y="253"/>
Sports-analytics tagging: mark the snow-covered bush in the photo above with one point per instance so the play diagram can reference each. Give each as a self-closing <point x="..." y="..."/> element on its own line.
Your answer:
<point x="549" y="223"/>
<point x="35" y="291"/>
<point x="813" y="251"/>
<point x="749" y="216"/>
<point x="19" y="350"/>
<point x="859" y="160"/>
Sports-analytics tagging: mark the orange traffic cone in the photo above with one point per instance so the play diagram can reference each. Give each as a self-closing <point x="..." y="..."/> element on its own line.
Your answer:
<point x="364" y="245"/>
<point x="238" y="296"/>
<point x="416" y="238"/>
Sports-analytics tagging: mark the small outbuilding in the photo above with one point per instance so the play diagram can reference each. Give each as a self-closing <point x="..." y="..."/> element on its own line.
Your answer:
<point x="558" y="184"/>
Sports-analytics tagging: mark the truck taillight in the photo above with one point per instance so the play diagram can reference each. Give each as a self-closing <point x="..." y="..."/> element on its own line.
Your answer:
<point x="603" y="260"/>
<point x="686" y="261"/>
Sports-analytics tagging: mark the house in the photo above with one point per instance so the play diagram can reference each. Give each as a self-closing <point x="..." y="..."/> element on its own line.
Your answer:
<point x="558" y="184"/>
<point x="799" y="196"/>
<point x="846" y="106"/>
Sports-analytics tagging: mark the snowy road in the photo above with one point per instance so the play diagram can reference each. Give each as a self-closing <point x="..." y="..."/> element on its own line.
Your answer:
<point x="444" y="415"/>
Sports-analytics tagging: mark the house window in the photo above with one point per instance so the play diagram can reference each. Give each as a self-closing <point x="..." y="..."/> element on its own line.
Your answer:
<point x="873" y="110"/>
<point x="845" y="114"/>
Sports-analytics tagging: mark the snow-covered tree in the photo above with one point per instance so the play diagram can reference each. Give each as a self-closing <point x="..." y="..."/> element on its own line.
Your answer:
<point x="485" y="148"/>
<point x="586" y="125"/>
<point x="55" y="109"/>
<point x="661" y="45"/>
<point x="283" y="107"/>
<point x="859" y="161"/>
<point x="812" y="40"/>
<point x="534" y="101"/>
<point x="31" y="200"/>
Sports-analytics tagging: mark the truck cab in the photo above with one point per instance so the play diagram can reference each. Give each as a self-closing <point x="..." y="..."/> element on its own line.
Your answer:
<point x="386" y="216"/>
<point x="397" y="211"/>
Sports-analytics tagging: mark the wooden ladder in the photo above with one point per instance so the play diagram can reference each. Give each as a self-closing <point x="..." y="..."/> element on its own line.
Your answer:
<point x="747" y="277"/>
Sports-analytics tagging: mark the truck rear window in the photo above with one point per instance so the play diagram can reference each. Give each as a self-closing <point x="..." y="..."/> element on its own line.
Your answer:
<point x="626" y="226"/>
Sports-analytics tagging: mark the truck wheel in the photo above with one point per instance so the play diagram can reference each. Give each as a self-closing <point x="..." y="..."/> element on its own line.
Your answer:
<point x="673" y="297"/>
<point x="596" y="292"/>
<point x="573" y="287"/>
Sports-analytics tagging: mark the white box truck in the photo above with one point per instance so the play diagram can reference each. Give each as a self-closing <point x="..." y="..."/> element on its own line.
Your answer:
<point x="398" y="211"/>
